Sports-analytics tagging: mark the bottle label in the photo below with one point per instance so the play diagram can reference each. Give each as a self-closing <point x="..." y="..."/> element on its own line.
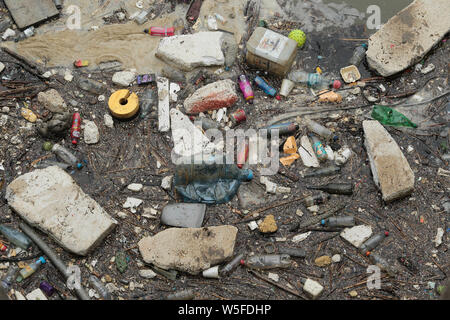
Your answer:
<point x="271" y="45"/>
<point x="246" y="90"/>
<point x="313" y="79"/>
<point x="319" y="150"/>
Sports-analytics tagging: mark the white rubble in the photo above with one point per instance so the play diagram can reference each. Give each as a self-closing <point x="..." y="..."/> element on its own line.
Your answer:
<point x="36" y="294"/>
<point x="166" y="183"/>
<point x="135" y="187"/>
<point x="132" y="204"/>
<point x="147" y="273"/>
<point x="439" y="236"/>
<point x="163" y="104"/>
<point x="309" y="159"/>
<point x="91" y="132"/>
<point x="124" y="78"/>
<point x="109" y="121"/>
<point x="301" y="237"/>
<point x="357" y="235"/>
<point x="50" y="200"/>
<point x="200" y="49"/>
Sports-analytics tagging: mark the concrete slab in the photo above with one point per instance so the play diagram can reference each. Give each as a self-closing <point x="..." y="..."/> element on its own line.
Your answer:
<point x="390" y="169"/>
<point x="50" y="200"/>
<point x="406" y="38"/>
<point x="29" y="12"/>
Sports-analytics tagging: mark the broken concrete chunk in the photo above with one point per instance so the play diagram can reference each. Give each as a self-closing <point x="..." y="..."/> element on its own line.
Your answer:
<point x="188" y="139"/>
<point x="390" y="169"/>
<point x="357" y="235"/>
<point x="216" y="95"/>
<point x="166" y="182"/>
<point x="184" y="215"/>
<point x="124" y="78"/>
<point x="439" y="235"/>
<point x="132" y="204"/>
<point x="190" y="250"/>
<point x="407" y="37"/>
<point x="308" y="156"/>
<point x="50" y="200"/>
<point x="163" y="104"/>
<point x="200" y="49"/>
<point x="91" y="133"/>
<point x="36" y="294"/>
<point x="52" y="101"/>
<point x="135" y="187"/>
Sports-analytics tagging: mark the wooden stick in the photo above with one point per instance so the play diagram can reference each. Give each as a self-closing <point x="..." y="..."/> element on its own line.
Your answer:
<point x="277" y="285"/>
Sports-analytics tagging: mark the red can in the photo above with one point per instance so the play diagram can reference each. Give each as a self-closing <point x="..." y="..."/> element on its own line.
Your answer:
<point x="238" y="117"/>
<point x="75" y="131"/>
<point x="162" y="31"/>
<point x="2" y="247"/>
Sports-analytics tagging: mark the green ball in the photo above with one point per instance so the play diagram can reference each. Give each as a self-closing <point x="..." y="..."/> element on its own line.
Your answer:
<point x="47" y="146"/>
<point x="299" y="36"/>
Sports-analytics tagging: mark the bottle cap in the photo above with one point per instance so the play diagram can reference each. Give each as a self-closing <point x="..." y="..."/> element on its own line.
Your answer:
<point x="322" y="222"/>
<point x="42" y="260"/>
<point x="277" y="97"/>
<point x="365" y="46"/>
<point x="146" y="31"/>
<point x="250" y="175"/>
<point x="79" y="165"/>
<point x="386" y="233"/>
<point x="336" y="84"/>
<point x="74" y="141"/>
<point x="242" y="262"/>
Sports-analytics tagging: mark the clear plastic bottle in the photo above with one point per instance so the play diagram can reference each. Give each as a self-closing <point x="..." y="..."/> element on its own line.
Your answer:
<point x="91" y="85"/>
<point x="66" y="156"/>
<point x="316" y="199"/>
<point x="9" y="278"/>
<point x="328" y="171"/>
<point x="320" y="130"/>
<point x="373" y="242"/>
<point x="383" y="264"/>
<point x="358" y="55"/>
<point x="148" y="100"/>
<point x="230" y="266"/>
<point x="348" y="221"/>
<point x="313" y="80"/>
<point x="293" y="252"/>
<point x="99" y="287"/>
<point x="30" y="269"/>
<point x="16" y="237"/>
<point x="270" y="261"/>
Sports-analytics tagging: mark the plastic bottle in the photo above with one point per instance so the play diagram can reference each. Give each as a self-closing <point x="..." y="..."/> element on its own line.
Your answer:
<point x="348" y="221"/>
<point x="148" y="100"/>
<point x="99" y="287"/>
<point x="263" y="85"/>
<point x="30" y="269"/>
<point x="246" y="88"/>
<point x="91" y="85"/>
<point x="208" y="172"/>
<point x="328" y="171"/>
<point x="320" y="130"/>
<point x="9" y="278"/>
<point x="313" y="80"/>
<point x="270" y="261"/>
<point x="358" y="55"/>
<point x="15" y="237"/>
<point x="47" y="163"/>
<point x="181" y="295"/>
<point x="382" y="264"/>
<point x="293" y="252"/>
<point x="66" y="156"/>
<point x="242" y="154"/>
<point x="391" y="117"/>
<point x="160" y="31"/>
<point x="75" y="130"/>
<point x="316" y="199"/>
<point x="318" y="148"/>
<point x="372" y="243"/>
<point x="230" y="266"/>
<point x="283" y="128"/>
<point x="335" y="188"/>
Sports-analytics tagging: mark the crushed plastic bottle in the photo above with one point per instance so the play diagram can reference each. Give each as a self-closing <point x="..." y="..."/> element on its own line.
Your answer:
<point x="246" y="88"/>
<point x="335" y="188"/>
<point x="383" y="264"/>
<point x="230" y="266"/>
<point x="160" y="31"/>
<point x="270" y="261"/>
<point x="358" y="55"/>
<point x="99" y="287"/>
<point x="90" y="85"/>
<point x="29" y="269"/>
<point x="238" y="117"/>
<point x="66" y="156"/>
<point x="209" y="182"/>
<point x="148" y="100"/>
<point x="391" y="117"/>
<point x="9" y="278"/>
<point x="313" y="80"/>
<point x="316" y="199"/>
<point x="372" y="243"/>
<point x="264" y="86"/>
<point x="320" y="130"/>
<point x="333" y="222"/>
<point x="15" y="237"/>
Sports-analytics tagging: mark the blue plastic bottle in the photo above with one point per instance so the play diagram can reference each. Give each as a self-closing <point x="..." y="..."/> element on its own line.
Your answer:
<point x="263" y="85"/>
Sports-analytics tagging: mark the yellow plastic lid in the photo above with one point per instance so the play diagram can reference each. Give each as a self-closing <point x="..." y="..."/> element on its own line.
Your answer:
<point x="123" y="104"/>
